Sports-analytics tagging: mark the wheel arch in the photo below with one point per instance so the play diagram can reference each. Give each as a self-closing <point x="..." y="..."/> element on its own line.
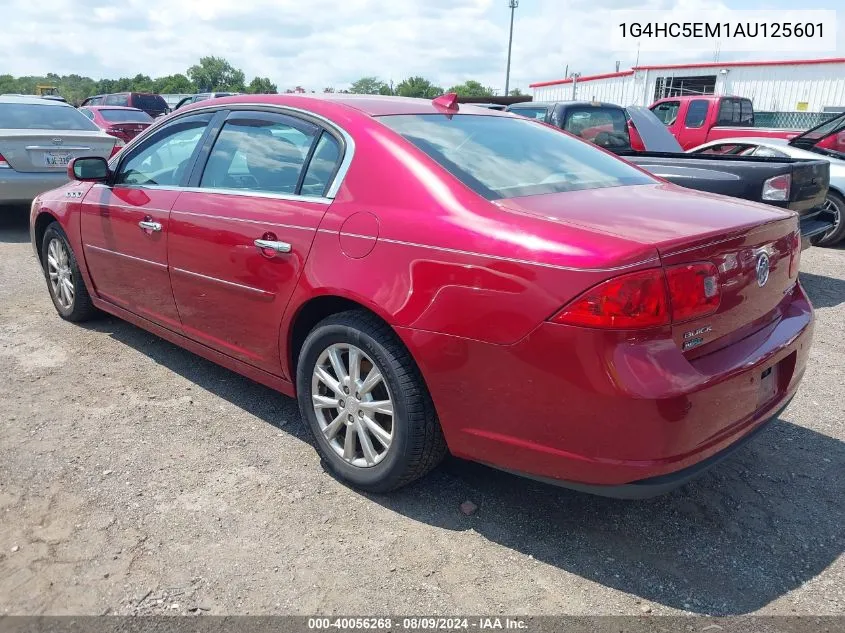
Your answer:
<point x="39" y="227"/>
<point x="311" y="312"/>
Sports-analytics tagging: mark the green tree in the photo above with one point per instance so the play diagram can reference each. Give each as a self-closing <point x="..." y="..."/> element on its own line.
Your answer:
<point x="516" y="92"/>
<point x="418" y="87"/>
<point x="262" y="86"/>
<point x="174" y="85"/>
<point x="215" y="73"/>
<point x="471" y="88"/>
<point x="369" y="86"/>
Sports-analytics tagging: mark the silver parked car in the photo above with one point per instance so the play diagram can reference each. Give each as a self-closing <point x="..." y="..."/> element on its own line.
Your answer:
<point x="38" y="138"/>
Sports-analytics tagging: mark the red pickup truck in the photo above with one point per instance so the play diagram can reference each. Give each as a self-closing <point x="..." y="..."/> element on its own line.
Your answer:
<point x="699" y="119"/>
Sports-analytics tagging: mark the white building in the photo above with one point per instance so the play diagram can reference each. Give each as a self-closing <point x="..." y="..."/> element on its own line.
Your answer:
<point x="810" y="85"/>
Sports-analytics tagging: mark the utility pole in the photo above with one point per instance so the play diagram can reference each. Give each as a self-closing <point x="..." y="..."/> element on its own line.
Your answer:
<point x="513" y="4"/>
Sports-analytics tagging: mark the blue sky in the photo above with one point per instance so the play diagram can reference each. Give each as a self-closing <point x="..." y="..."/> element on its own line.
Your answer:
<point x="319" y="43"/>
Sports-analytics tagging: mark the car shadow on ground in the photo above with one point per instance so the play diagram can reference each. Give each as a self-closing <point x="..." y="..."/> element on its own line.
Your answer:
<point x="760" y="524"/>
<point x="14" y="224"/>
<point x="824" y="292"/>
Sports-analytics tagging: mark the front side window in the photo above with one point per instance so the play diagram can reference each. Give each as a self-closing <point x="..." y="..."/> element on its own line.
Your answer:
<point x="164" y="158"/>
<point x="505" y="157"/>
<point x="29" y="116"/>
<point x="696" y="113"/>
<point x="667" y="111"/>
<point x="265" y="153"/>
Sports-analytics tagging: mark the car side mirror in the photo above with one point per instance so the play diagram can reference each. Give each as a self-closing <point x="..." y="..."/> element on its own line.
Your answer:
<point x="88" y="169"/>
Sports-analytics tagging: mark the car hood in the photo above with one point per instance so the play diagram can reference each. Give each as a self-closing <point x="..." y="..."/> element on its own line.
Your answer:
<point x="655" y="136"/>
<point x="663" y="215"/>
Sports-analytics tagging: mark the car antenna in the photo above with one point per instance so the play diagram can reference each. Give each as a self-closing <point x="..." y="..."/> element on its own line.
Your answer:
<point x="448" y="101"/>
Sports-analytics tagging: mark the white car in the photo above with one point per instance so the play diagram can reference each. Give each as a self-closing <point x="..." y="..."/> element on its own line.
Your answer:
<point x="781" y="148"/>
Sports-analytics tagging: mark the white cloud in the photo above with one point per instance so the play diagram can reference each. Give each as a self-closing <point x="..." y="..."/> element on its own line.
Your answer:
<point x="319" y="43"/>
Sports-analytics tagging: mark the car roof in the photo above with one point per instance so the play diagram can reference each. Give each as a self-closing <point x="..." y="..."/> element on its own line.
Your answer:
<point x="549" y="104"/>
<point x="372" y="105"/>
<point x="33" y="100"/>
<point x="748" y="140"/>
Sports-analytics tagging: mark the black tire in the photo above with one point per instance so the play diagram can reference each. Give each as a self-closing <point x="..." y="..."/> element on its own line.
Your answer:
<point x="418" y="444"/>
<point x="835" y="235"/>
<point x="81" y="307"/>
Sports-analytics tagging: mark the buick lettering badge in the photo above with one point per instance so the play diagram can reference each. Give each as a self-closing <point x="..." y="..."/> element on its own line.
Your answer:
<point x="762" y="269"/>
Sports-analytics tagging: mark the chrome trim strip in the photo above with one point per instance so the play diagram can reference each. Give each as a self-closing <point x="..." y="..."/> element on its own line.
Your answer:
<point x="230" y="219"/>
<point x="132" y="257"/>
<point x="60" y="148"/>
<point x="212" y="107"/>
<point x="497" y="257"/>
<point x="263" y="293"/>
<point x="246" y="193"/>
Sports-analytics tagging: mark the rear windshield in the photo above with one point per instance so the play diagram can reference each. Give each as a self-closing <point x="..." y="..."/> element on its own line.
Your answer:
<point x="25" y="116"/>
<point x="531" y="113"/>
<point x="126" y="116"/>
<point x="606" y="127"/>
<point x="506" y="157"/>
<point x="149" y="102"/>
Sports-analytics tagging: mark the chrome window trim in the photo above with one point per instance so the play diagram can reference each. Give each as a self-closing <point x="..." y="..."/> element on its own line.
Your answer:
<point x="348" y="141"/>
<point x="248" y="193"/>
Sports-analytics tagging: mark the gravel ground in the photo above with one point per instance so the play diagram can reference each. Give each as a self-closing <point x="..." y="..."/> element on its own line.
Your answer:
<point x="137" y="478"/>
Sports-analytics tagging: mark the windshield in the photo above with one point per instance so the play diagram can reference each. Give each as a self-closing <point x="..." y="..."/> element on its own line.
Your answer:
<point x="126" y="116"/>
<point x="506" y="157"/>
<point x="26" y="116"/>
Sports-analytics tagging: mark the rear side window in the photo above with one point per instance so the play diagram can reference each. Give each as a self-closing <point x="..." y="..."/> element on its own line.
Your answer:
<point x="87" y="113"/>
<point x="264" y="154"/>
<point x="730" y="112"/>
<point x="696" y="113"/>
<point x="667" y="111"/>
<point x="25" y="116"/>
<point x="606" y="127"/>
<point x="116" y="100"/>
<point x="531" y="113"/>
<point x="746" y="113"/>
<point x="126" y="116"/>
<point x="322" y="167"/>
<point x="505" y="157"/>
<point x="155" y="103"/>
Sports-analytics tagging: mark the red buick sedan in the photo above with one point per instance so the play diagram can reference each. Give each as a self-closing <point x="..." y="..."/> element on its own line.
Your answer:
<point x="426" y="277"/>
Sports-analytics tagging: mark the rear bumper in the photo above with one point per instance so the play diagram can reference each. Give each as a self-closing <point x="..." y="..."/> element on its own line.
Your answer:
<point x="590" y="408"/>
<point x="21" y="187"/>
<point x="813" y="223"/>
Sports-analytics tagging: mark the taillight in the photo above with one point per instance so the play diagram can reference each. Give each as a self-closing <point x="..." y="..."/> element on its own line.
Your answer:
<point x="632" y="301"/>
<point x="694" y="290"/>
<point x="777" y="188"/>
<point x="648" y="298"/>
<point x="3" y="163"/>
<point x="117" y="147"/>
<point x="795" y="254"/>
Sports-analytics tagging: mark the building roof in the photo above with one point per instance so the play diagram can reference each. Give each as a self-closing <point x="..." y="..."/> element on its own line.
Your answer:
<point x="625" y="73"/>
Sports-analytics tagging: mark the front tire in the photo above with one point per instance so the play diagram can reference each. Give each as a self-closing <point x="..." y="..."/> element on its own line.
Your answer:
<point x="835" y="204"/>
<point x="366" y="404"/>
<point x="64" y="281"/>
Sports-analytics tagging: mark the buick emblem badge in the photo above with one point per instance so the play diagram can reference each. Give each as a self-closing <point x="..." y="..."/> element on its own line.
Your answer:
<point x="762" y="269"/>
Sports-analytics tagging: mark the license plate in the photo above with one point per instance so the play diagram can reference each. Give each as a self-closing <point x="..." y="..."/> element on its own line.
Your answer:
<point x="57" y="159"/>
<point x="768" y="384"/>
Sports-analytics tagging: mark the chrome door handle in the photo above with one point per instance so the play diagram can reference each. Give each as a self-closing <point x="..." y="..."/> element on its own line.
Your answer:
<point x="279" y="247"/>
<point x="150" y="226"/>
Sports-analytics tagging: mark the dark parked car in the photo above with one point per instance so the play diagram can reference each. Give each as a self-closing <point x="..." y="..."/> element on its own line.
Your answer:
<point x="152" y="104"/>
<point x="791" y="183"/>
<point x="202" y="96"/>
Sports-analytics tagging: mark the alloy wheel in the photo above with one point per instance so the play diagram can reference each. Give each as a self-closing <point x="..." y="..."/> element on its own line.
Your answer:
<point x="353" y="405"/>
<point x="60" y="273"/>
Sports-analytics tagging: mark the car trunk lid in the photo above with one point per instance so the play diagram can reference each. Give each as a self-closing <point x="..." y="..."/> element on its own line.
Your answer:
<point x="51" y="150"/>
<point x="753" y="247"/>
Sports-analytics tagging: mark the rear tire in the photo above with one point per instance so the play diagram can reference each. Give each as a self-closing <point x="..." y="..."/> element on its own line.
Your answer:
<point x="375" y="426"/>
<point x="835" y="203"/>
<point x="64" y="281"/>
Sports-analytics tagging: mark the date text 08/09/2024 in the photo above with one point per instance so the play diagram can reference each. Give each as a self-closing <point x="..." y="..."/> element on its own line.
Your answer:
<point x="417" y="624"/>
